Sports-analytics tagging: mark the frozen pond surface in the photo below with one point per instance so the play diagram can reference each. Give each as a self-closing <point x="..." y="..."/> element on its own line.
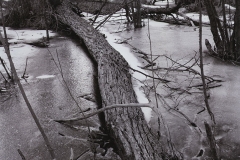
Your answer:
<point x="50" y="100"/>
<point x="181" y="43"/>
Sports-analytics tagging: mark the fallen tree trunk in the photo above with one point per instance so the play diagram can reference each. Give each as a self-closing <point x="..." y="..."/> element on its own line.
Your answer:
<point x="196" y="23"/>
<point x="155" y="10"/>
<point x="126" y="126"/>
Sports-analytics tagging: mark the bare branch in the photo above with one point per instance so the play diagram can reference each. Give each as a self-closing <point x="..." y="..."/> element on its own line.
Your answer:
<point x="21" y="154"/>
<point x="163" y="80"/>
<point x="23" y="76"/>
<point x="108" y="108"/>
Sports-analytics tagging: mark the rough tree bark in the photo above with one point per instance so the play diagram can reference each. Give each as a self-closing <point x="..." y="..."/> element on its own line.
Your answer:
<point x="126" y="126"/>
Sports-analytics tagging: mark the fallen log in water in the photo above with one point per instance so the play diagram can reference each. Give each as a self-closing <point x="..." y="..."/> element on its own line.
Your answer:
<point x="126" y="126"/>
<point x="148" y="9"/>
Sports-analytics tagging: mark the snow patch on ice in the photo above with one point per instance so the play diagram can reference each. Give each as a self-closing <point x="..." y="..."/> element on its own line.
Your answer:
<point x="151" y="6"/>
<point x="26" y="35"/>
<point x="19" y="52"/>
<point x="17" y="39"/>
<point x="125" y="51"/>
<point x="227" y="6"/>
<point x="195" y="16"/>
<point x="155" y="23"/>
<point x="160" y="4"/>
<point x="118" y="16"/>
<point x="45" y="76"/>
<point x="165" y="3"/>
<point x="205" y="18"/>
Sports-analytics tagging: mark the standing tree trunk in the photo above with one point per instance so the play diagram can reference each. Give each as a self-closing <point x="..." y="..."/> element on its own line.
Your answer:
<point x="45" y="19"/>
<point x="153" y="2"/>
<point x="214" y="25"/>
<point x="137" y="19"/>
<point x="127" y="9"/>
<point x="227" y="47"/>
<point x="226" y="41"/>
<point x="237" y="30"/>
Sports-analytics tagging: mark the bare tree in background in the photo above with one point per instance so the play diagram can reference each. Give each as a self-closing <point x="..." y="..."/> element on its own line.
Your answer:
<point x="226" y="36"/>
<point x="137" y="20"/>
<point x="237" y="29"/>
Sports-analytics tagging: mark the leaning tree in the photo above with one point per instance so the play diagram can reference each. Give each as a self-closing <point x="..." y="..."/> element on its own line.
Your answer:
<point x="123" y="125"/>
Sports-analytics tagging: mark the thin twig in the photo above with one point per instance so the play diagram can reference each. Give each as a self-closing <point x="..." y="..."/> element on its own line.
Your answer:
<point x="4" y="66"/>
<point x="21" y="154"/>
<point x="3" y="77"/>
<point x="190" y="69"/>
<point x="201" y="66"/>
<point x="156" y="99"/>
<point x="163" y="80"/>
<point x="164" y="102"/>
<point x="105" y="20"/>
<point x="23" y="76"/>
<point x="84" y="152"/>
<point x="95" y="18"/>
